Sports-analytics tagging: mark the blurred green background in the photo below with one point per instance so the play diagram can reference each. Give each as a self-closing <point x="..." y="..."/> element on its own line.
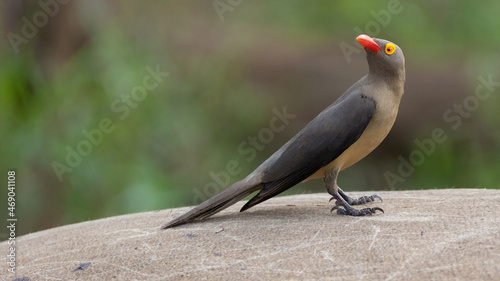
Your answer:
<point x="66" y="67"/>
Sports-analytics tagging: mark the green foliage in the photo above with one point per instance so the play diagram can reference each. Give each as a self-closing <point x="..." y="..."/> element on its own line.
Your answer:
<point x="191" y="124"/>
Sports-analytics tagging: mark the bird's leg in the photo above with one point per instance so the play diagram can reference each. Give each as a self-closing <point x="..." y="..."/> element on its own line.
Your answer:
<point x="337" y="193"/>
<point x="352" y="201"/>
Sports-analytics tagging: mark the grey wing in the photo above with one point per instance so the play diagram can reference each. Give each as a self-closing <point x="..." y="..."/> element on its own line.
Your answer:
<point x="324" y="139"/>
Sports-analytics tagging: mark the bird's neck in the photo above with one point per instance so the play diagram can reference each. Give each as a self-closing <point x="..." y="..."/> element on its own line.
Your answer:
<point x="394" y="80"/>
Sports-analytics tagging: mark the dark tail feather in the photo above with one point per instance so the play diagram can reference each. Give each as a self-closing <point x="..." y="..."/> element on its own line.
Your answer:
<point x="219" y="202"/>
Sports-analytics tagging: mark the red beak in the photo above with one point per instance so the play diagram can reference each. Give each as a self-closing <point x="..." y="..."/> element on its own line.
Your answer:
<point x="368" y="43"/>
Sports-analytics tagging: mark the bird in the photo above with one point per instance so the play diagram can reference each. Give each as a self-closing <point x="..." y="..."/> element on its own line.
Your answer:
<point x="341" y="135"/>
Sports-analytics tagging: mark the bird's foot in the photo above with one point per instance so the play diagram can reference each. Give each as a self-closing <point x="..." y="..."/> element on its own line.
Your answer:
<point x="342" y="200"/>
<point x="361" y="200"/>
<point x="350" y="211"/>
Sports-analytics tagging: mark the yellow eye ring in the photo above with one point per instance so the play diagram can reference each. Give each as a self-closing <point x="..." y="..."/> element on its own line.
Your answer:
<point x="390" y="48"/>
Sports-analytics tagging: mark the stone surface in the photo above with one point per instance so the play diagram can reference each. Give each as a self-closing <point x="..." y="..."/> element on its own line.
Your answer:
<point x="423" y="235"/>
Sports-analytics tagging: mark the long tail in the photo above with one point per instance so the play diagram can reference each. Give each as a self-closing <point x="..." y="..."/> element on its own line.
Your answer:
<point x="219" y="202"/>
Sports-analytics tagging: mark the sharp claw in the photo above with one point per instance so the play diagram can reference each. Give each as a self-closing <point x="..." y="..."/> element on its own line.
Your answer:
<point x="376" y="196"/>
<point x="331" y="199"/>
<point x="340" y="211"/>
<point x="354" y="212"/>
<point x="334" y="208"/>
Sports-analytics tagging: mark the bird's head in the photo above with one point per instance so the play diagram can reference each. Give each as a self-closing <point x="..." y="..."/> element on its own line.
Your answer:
<point x="384" y="57"/>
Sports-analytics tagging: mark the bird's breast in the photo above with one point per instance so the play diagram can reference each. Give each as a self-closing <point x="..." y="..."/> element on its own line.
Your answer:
<point x="376" y="131"/>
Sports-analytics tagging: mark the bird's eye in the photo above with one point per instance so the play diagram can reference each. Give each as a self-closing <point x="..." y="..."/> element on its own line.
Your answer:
<point x="390" y="48"/>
